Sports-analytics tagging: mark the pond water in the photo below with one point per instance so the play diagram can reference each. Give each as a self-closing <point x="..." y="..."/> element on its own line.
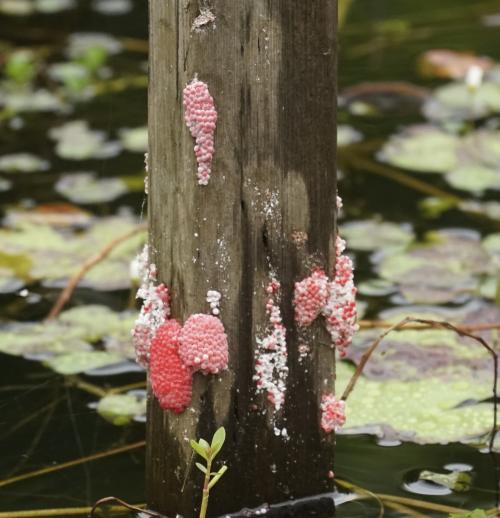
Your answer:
<point x="415" y="154"/>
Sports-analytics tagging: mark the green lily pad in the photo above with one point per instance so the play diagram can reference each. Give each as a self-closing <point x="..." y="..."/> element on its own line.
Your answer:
<point x="76" y="362"/>
<point x="80" y="43"/>
<point x="58" y="215"/>
<point x="474" y="178"/>
<point x="73" y="75"/>
<point x="347" y="135"/>
<point x="492" y="244"/>
<point x="21" y="67"/>
<point x="85" y="188"/>
<point x="10" y="284"/>
<point x="470" y="163"/>
<point x="28" y="339"/>
<point x="456" y="101"/>
<point x="112" y="7"/>
<point x="376" y="288"/>
<point x="76" y="141"/>
<point x="373" y="235"/>
<point x="121" y="409"/>
<point x="17" y="7"/>
<point x="73" y="331"/>
<point x="458" y="481"/>
<point x="422" y="411"/>
<point x="445" y="268"/>
<point x="135" y="139"/>
<point x="417" y="354"/>
<point x="425" y="149"/>
<point x="5" y="185"/>
<point x="53" y="6"/>
<point x="22" y="163"/>
<point x="26" y="100"/>
<point x="361" y="307"/>
<point x="95" y="321"/>
<point x="491" y="209"/>
<point x="483" y="146"/>
<point x="14" y="270"/>
<point x="54" y="255"/>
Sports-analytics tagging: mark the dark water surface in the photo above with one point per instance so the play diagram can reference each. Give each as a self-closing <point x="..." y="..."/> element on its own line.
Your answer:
<point x="44" y="421"/>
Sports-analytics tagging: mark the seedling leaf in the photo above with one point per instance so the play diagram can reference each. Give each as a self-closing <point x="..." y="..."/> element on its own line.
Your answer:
<point x="217" y="477"/>
<point x="200" y="450"/>
<point x="201" y="467"/>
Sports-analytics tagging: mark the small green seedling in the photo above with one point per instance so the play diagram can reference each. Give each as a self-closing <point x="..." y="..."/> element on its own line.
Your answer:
<point x="209" y="452"/>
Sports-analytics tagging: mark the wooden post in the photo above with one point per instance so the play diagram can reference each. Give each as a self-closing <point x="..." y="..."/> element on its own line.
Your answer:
<point x="269" y="208"/>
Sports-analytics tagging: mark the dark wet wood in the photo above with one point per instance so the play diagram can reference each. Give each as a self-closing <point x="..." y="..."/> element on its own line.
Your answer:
<point x="271" y="67"/>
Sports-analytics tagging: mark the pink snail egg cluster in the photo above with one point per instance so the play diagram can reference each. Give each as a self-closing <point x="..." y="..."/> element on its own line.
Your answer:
<point x="155" y="308"/>
<point x="310" y="297"/>
<point x="335" y="300"/>
<point x="340" y="310"/>
<point x="332" y="413"/>
<point x="171" y="380"/>
<point x="203" y="344"/>
<point x="201" y="119"/>
<point x="271" y="370"/>
<point x="154" y="311"/>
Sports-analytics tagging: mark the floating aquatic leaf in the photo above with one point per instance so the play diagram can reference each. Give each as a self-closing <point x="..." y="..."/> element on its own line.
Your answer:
<point x="72" y="331"/>
<point x="96" y="321"/>
<point x="451" y="64"/>
<point x="374" y="235"/>
<point x="474" y="178"/>
<point x="76" y="362"/>
<point x="17" y="7"/>
<point x="61" y="215"/>
<point x="423" y="411"/>
<point x="135" y="139"/>
<point x="74" y="76"/>
<point x="14" y="268"/>
<point x="27" y="100"/>
<point x="456" y="480"/>
<point x="446" y="267"/>
<point x="54" y="255"/>
<point x="471" y="162"/>
<point x="22" y="339"/>
<point x="80" y="42"/>
<point x="9" y="284"/>
<point x="112" y="7"/>
<point x="491" y="209"/>
<point x="53" y="6"/>
<point x="347" y="135"/>
<point x="433" y="207"/>
<point x="21" y="66"/>
<point x="376" y="288"/>
<point x="121" y="409"/>
<point x="422" y="148"/>
<point x="361" y="307"/>
<point x="22" y="163"/>
<point x="455" y="101"/>
<point x="87" y="188"/>
<point x="483" y="146"/>
<point x="76" y="141"/>
<point x="492" y="244"/>
<point x="417" y="354"/>
<point x="5" y="185"/>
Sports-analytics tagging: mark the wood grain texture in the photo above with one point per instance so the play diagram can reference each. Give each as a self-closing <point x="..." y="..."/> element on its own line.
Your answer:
<point x="271" y="67"/>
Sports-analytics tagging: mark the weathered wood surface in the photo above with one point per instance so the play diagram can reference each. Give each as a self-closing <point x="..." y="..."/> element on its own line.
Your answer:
<point x="271" y="68"/>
